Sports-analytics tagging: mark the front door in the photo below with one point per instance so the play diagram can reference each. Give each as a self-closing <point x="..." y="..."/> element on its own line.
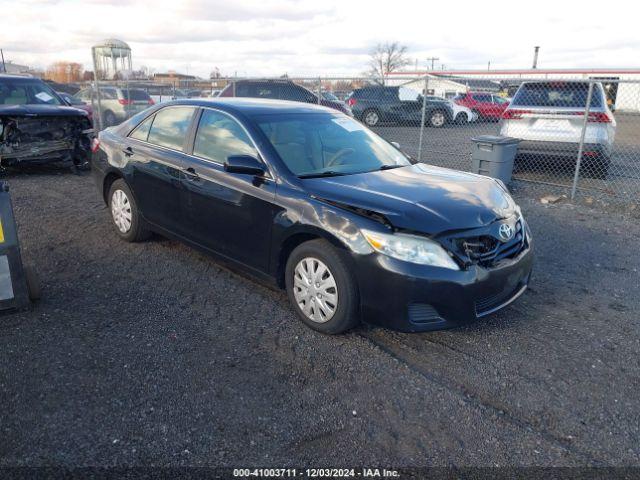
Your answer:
<point x="229" y="213"/>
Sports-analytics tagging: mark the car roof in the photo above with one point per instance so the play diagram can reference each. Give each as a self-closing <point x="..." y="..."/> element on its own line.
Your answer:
<point x="18" y="76"/>
<point x="253" y="106"/>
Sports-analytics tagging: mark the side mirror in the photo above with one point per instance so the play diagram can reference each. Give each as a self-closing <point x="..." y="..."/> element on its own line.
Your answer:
<point x="245" y="164"/>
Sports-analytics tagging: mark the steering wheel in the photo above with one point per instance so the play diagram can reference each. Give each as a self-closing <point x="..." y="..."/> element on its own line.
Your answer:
<point x="339" y="154"/>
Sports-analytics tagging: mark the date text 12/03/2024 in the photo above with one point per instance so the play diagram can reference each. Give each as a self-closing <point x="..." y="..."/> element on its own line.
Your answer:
<point x="315" y="473"/>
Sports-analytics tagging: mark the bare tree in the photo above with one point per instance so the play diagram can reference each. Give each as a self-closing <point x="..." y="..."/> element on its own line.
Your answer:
<point x="386" y="58"/>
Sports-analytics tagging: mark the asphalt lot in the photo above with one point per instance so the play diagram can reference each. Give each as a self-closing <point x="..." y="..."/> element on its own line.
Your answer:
<point x="451" y="147"/>
<point x="153" y="354"/>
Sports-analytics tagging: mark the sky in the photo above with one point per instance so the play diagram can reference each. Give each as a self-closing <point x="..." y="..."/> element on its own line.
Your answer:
<point x="322" y="37"/>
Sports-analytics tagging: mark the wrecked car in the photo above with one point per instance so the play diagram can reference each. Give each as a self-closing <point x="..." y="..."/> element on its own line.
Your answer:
<point x="312" y="200"/>
<point x="37" y="126"/>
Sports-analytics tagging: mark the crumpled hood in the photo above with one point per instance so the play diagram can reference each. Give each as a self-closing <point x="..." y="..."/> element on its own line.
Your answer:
<point x="420" y="197"/>
<point x="41" y="110"/>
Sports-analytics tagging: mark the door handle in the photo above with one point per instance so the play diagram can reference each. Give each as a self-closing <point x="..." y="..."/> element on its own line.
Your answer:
<point x="128" y="151"/>
<point x="190" y="173"/>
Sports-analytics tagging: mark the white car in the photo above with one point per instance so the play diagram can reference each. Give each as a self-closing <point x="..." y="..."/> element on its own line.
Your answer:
<point x="461" y="114"/>
<point x="548" y="118"/>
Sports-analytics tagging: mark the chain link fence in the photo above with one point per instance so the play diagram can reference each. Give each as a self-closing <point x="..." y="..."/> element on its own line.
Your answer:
<point x="581" y="136"/>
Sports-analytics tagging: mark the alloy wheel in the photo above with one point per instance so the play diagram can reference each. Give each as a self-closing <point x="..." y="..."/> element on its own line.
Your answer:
<point x="315" y="290"/>
<point x="437" y="119"/>
<point x="121" y="211"/>
<point x="371" y="118"/>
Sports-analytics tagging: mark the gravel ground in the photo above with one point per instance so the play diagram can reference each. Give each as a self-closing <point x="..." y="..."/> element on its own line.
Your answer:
<point x="154" y="354"/>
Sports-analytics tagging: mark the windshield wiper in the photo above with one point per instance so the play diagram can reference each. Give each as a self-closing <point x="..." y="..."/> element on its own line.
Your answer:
<point x="326" y="173"/>
<point x="389" y="167"/>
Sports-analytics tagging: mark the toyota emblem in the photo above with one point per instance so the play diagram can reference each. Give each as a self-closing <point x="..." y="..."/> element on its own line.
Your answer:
<point x="505" y="232"/>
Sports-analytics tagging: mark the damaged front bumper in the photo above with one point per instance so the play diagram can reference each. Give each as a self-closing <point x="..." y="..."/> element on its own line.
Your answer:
<point x="36" y="140"/>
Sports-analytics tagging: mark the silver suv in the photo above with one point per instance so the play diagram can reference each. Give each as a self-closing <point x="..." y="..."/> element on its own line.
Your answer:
<point x="548" y="117"/>
<point x="117" y="104"/>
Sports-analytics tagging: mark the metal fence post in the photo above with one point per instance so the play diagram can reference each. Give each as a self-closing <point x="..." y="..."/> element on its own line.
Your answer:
<point x="576" y="175"/>
<point x="319" y="91"/>
<point x="424" y="108"/>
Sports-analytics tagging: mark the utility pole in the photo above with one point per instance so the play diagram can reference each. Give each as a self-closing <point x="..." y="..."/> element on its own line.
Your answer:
<point x="4" y="67"/>
<point x="535" y="57"/>
<point x="489" y="65"/>
<point x="433" y="61"/>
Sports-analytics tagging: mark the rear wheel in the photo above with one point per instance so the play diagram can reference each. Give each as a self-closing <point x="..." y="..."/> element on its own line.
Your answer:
<point x="437" y="119"/>
<point x="321" y="288"/>
<point x="597" y="168"/>
<point x="109" y="119"/>
<point x="371" y="118"/>
<point x="124" y="213"/>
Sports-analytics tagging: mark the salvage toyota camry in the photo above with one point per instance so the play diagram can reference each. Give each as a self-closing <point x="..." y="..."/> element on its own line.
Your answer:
<point x="312" y="200"/>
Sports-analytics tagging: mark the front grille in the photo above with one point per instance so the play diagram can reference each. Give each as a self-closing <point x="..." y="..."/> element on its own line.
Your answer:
<point x="487" y="250"/>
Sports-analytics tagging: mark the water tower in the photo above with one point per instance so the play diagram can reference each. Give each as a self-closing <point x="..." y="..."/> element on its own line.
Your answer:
<point x="110" y="57"/>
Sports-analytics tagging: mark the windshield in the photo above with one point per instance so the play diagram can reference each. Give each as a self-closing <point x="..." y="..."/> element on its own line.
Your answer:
<point x="26" y="91"/>
<point x="327" y="144"/>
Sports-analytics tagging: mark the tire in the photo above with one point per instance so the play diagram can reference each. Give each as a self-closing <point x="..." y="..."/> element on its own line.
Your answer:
<point x="371" y="117"/>
<point x="462" y="118"/>
<point x="33" y="283"/>
<point x="597" y="168"/>
<point x="110" y="119"/>
<point x="312" y="256"/>
<point x="125" y="214"/>
<point x="437" y="119"/>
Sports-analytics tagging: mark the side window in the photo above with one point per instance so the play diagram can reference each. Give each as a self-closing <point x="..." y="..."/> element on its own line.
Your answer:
<point x="245" y="89"/>
<point x="141" y="132"/>
<point x="108" y="94"/>
<point x="170" y="127"/>
<point x="219" y="136"/>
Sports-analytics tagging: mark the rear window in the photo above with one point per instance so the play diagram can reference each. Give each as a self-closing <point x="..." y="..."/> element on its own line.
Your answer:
<point x="135" y="94"/>
<point x="169" y="127"/>
<point x="556" y="94"/>
<point x="367" y="93"/>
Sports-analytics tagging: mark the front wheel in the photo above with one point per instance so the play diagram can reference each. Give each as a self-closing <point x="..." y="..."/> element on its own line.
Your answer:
<point x="462" y="118"/>
<point x="321" y="288"/>
<point x="124" y="213"/>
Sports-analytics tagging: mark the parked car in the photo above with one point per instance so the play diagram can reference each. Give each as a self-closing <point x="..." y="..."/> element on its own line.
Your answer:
<point x="461" y="114"/>
<point x="37" y="126"/>
<point x="77" y="103"/>
<point x="280" y="90"/>
<point x="548" y="117"/>
<point x="376" y="104"/>
<point x="117" y="103"/>
<point x="488" y="106"/>
<point x="311" y="200"/>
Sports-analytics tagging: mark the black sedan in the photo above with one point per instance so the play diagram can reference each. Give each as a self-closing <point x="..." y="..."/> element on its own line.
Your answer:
<point x="313" y="201"/>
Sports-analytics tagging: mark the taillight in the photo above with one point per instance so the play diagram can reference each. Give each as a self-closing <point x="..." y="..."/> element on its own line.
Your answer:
<point x="124" y="101"/>
<point x="514" y="114"/>
<point x="95" y="145"/>
<point x="151" y="102"/>
<point x="351" y="102"/>
<point x="599" y="117"/>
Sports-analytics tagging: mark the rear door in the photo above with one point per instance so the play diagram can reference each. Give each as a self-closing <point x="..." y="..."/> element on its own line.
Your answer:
<point x="155" y="149"/>
<point x="231" y="214"/>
